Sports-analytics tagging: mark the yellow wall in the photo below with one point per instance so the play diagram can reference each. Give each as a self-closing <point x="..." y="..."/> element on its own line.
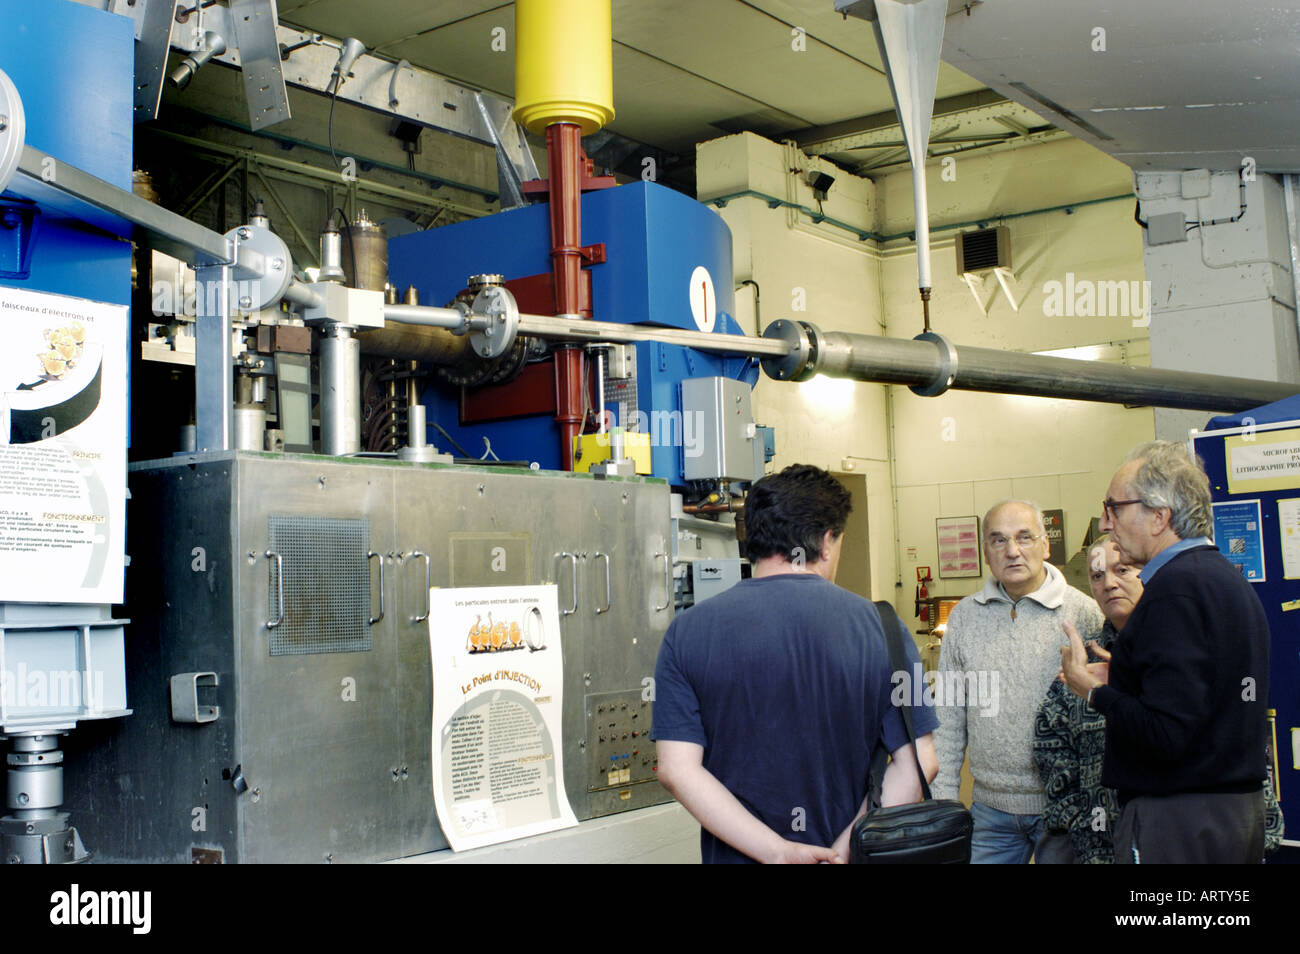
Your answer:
<point x="959" y="453"/>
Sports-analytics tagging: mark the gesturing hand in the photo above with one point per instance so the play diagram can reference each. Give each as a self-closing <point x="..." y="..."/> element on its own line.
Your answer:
<point x="1076" y="671"/>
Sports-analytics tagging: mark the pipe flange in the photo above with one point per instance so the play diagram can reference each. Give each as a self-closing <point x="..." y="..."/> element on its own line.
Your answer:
<point x="947" y="366"/>
<point x="498" y="334"/>
<point x="801" y="363"/>
<point x="13" y="130"/>
<point x="263" y="268"/>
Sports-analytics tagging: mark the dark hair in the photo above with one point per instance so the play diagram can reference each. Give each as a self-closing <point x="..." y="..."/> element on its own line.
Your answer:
<point x="791" y="511"/>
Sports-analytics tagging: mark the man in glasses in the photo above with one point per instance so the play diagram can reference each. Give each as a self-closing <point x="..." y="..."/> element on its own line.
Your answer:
<point x="1187" y="686"/>
<point x="1004" y="638"/>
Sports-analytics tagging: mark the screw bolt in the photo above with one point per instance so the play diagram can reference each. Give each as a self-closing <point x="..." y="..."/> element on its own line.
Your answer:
<point x="4" y="123"/>
<point x="246" y="302"/>
<point x="244" y="233"/>
<point x="277" y="264"/>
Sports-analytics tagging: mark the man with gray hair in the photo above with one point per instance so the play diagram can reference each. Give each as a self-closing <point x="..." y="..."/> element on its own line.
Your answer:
<point x="1187" y="685"/>
<point x="1010" y="632"/>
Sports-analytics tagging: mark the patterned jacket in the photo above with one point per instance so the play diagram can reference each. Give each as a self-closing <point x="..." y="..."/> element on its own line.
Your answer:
<point x="1069" y="743"/>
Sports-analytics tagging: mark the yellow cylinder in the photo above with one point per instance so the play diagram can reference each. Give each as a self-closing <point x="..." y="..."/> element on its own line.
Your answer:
<point x="564" y="69"/>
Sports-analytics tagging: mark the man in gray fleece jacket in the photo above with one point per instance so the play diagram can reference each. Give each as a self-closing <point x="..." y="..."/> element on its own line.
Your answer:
<point x="1005" y="642"/>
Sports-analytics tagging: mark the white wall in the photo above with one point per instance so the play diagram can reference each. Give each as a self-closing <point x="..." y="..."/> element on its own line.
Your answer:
<point x="962" y="452"/>
<point x="957" y="454"/>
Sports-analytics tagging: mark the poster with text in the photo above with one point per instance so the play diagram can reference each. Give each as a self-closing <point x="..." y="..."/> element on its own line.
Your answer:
<point x="1239" y="536"/>
<point x="62" y="448"/>
<point x="498" y="694"/>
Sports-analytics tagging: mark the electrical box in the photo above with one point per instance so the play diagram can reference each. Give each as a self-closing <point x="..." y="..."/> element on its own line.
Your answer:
<point x="711" y="577"/>
<point x="718" y="431"/>
<point x="1167" y="229"/>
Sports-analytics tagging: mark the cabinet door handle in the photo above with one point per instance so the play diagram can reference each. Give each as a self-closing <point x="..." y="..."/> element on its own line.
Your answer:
<point x="574" y="597"/>
<point x="668" y="581"/>
<point x="279" y="589"/>
<point x="425" y="558"/>
<point x="604" y="556"/>
<point x="370" y="555"/>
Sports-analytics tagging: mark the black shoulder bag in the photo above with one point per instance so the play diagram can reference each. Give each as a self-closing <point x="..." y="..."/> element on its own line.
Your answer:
<point x="933" y="831"/>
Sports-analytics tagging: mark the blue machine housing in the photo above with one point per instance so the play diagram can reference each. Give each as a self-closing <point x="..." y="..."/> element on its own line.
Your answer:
<point x="72" y="66"/>
<point x="654" y="240"/>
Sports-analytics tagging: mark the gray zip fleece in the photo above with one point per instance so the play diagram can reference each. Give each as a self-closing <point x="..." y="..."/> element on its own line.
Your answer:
<point x="1013" y="646"/>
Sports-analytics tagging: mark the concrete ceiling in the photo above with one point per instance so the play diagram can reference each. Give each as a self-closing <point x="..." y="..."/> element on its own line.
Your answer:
<point x="1180" y="84"/>
<point x="685" y="71"/>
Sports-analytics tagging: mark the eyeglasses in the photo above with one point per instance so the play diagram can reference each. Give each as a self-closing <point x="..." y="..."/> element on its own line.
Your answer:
<point x="1023" y="539"/>
<point x="1108" y="506"/>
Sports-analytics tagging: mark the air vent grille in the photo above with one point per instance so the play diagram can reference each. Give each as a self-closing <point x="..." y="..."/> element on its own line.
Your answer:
<point x="326" y="585"/>
<point x="983" y="249"/>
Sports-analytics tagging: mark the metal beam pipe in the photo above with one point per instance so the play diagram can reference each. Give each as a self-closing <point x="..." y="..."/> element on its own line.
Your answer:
<point x="428" y="316"/>
<point x="931" y="365"/>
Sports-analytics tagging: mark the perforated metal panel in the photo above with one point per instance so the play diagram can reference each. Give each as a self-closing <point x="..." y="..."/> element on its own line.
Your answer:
<point x="326" y="585"/>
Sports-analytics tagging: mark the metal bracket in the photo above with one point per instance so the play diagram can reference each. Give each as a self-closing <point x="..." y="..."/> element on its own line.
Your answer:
<point x="255" y="23"/>
<point x="153" y="34"/>
<point x="261" y="268"/>
<point x="19" y="220"/>
<point x="185" y="697"/>
<point x="947" y="366"/>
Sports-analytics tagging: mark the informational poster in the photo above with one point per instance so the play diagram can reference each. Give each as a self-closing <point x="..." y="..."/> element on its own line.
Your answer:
<point x="959" y="546"/>
<point x="62" y="448"/>
<point x="1268" y="460"/>
<point x="1054" y="524"/>
<point x="1240" y="537"/>
<point x="1288" y="527"/>
<point x="498" y="694"/>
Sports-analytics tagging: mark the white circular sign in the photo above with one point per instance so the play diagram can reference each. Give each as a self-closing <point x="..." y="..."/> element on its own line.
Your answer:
<point x="704" y="304"/>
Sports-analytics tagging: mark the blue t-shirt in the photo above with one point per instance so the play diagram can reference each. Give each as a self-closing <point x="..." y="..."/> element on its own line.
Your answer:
<point x="786" y="682"/>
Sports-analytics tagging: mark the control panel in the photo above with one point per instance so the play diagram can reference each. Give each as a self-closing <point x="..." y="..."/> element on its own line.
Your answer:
<point x="619" y="751"/>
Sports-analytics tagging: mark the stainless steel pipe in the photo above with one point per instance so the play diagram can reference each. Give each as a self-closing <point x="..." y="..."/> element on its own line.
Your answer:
<point x="340" y="391"/>
<point x="931" y="365"/>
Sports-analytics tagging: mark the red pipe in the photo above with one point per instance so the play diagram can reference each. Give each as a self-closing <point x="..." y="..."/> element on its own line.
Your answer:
<point x="566" y="162"/>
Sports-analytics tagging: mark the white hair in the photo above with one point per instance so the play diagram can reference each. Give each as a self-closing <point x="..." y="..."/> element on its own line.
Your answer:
<point x="1169" y="476"/>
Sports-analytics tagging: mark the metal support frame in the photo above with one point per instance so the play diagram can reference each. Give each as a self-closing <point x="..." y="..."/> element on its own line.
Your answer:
<point x="300" y="170"/>
<point x="426" y="98"/>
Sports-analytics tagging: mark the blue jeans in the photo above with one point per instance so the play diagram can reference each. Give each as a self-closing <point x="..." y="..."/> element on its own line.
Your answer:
<point x="1001" y="838"/>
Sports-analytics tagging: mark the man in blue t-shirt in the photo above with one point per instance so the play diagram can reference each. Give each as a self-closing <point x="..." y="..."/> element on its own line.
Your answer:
<point x="771" y="697"/>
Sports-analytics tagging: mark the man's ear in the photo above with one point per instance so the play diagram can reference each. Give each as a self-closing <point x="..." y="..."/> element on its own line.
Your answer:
<point x="828" y="541"/>
<point x="1163" y="518"/>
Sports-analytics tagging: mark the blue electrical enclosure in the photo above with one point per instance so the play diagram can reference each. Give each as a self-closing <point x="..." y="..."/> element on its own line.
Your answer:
<point x="655" y="241"/>
<point x="73" y="68"/>
<point x="1253" y="462"/>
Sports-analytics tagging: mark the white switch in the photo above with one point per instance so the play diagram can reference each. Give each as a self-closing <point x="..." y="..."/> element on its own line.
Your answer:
<point x="751" y="430"/>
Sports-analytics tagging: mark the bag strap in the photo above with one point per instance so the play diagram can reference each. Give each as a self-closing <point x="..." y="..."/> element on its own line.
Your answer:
<point x="898" y="660"/>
